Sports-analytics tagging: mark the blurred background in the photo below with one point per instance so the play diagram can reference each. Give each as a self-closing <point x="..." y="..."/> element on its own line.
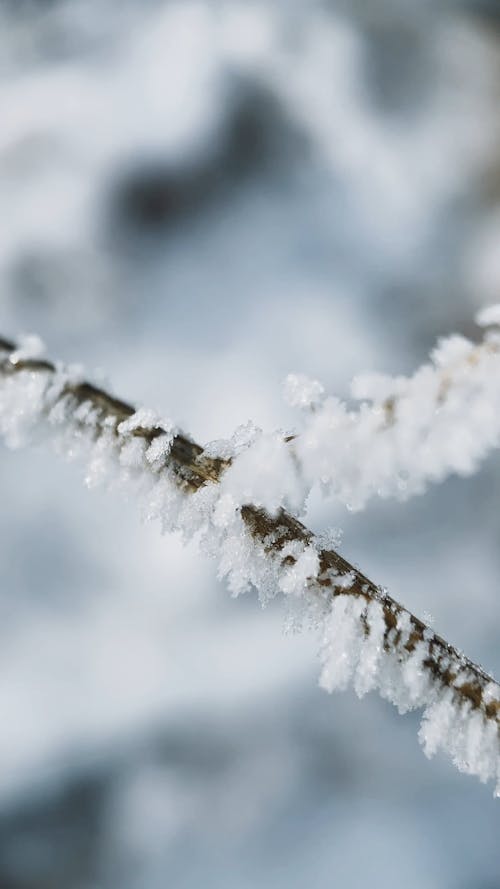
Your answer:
<point x="197" y="198"/>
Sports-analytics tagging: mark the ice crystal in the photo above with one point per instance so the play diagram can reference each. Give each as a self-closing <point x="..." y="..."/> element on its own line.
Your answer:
<point x="444" y="418"/>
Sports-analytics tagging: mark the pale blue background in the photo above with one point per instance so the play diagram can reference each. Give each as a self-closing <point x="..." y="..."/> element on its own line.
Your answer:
<point x="168" y="221"/>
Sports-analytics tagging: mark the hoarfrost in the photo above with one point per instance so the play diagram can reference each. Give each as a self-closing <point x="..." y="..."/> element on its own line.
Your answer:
<point x="489" y="316"/>
<point x="354" y="652"/>
<point x="463" y="733"/>
<point x="159" y="449"/>
<point x="329" y="538"/>
<point x="293" y="581"/>
<point x="407" y="432"/>
<point x="359" y="646"/>
<point x="29" y="346"/>
<point x="301" y="391"/>
<point x="228" y="449"/>
<point x="266" y="475"/>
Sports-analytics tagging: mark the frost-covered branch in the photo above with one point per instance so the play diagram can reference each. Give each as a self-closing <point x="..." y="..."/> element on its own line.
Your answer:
<point x="408" y="432"/>
<point x="369" y="639"/>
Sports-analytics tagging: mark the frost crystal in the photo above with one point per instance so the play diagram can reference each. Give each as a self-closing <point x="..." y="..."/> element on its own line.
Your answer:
<point x="354" y="651"/>
<point x="266" y="474"/>
<point x="227" y="449"/>
<point x="29" y="346"/>
<point x="427" y="428"/>
<point x="490" y="316"/>
<point x="305" y="567"/>
<point x="300" y="391"/>
<point x="407" y="432"/>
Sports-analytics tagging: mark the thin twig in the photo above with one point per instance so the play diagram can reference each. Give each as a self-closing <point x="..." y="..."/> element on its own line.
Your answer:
<point x="446" y="666"/>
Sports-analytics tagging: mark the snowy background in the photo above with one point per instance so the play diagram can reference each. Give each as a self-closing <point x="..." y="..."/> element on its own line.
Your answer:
<point x="197" y="198"/>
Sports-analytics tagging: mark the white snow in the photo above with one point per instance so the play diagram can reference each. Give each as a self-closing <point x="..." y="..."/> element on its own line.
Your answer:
<point x="489" y="316"/>
<point x="353" y="653"/>
<point x="407" y="432"/>
<point x="301" y="391"/>
<point x="422" y="438"/>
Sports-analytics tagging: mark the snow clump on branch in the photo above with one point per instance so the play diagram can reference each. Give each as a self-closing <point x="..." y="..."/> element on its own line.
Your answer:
<point x="407" y="432"/>
<point x="233" y="495"/>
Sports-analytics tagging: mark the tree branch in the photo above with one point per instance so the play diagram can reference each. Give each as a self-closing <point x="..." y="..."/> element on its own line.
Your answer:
<point x="404" y="658"/>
